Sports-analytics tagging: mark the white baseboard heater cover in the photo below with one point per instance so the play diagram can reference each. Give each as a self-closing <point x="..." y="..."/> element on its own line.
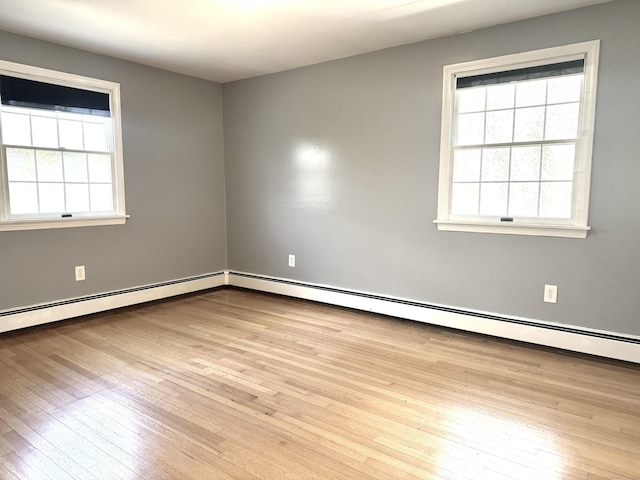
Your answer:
<point x="590" y="341"/>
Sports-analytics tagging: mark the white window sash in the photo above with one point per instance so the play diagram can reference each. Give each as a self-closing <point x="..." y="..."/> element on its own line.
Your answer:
<point x="28" y="222"/>
<point x="576" y="226"/>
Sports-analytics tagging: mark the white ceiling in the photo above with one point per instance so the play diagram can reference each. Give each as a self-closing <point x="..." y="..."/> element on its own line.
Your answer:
<point x="226" y="40"/>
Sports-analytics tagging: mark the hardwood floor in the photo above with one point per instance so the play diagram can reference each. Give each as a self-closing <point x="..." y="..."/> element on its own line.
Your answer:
<point x="231" y="384"/>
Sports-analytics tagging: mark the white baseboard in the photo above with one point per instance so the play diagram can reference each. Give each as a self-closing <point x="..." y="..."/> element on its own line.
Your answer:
<point x="594" y="342"/>
<point x="15" y="319"/>
<point x="590" y="341"/>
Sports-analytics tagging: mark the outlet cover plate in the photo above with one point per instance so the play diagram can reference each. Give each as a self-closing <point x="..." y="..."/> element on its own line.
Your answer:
<point x="551" y="293"/>
<point x="80" y="273"/>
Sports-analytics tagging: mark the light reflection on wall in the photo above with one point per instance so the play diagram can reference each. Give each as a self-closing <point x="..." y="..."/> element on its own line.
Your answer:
<point x="484" y="446"/>
<point x="312" y="176"/>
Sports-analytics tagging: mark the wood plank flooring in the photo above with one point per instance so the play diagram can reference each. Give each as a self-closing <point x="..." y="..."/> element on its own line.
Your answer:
<point x="231" y="384"/>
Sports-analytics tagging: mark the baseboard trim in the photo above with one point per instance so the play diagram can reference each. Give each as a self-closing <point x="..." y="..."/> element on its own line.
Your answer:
<point x="567" y="337"/>
<point x="15" y="319"/>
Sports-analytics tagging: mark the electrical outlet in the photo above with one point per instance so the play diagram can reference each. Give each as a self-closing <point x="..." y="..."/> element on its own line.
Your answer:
<point x="551" y="293"/>
<point x="292" y="260"/>
<point x="80" y="273"/>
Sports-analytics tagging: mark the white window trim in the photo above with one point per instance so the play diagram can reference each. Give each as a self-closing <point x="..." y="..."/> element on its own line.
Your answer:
<point x="577" y="226"/>
<point x="69" y="80"/>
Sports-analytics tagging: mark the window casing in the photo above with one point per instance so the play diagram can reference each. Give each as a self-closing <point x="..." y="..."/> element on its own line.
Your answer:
<point x="517" y="135"/>
<point x="61" y="150"/>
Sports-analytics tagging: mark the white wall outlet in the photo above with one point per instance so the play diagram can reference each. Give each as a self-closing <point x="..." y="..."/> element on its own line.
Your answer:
<point x="292" y="260"/>
<point x="80" y="274"/>
<point x="551" y="293"/>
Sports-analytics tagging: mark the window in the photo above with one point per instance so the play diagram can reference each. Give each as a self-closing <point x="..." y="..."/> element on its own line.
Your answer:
<point x="516" y="143"/>
<point x="61" y="155"/>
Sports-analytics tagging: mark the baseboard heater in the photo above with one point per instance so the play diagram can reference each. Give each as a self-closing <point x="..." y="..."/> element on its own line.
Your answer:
<point x="567" y="337"/>
<point x="14" y="319"/>
<point x="590" y="341"/>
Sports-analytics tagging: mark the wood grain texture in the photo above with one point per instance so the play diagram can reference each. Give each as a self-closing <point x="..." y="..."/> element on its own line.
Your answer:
<point x="232" y="384"/>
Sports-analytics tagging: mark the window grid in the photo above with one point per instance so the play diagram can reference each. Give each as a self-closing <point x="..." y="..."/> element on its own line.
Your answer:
<point x="35" y="147"/>
<point x="556" y="152"/>
<point x="485" y="144"/>
<point x="83" y="120"/>
<point x="85" y="127"/>
<point x="64" y="181"/>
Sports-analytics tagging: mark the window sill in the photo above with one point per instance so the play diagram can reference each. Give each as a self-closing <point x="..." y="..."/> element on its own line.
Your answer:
<point x="565" y="231"/>
<point x="40" y="224"/>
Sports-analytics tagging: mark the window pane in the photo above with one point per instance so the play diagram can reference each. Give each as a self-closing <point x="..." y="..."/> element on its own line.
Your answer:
<point x="101" y="198"/>
<point x="45" y="131"/>
<point x="562" y="121"/>
<point x="493" y="199"/>
<point x="51" y="196"/>
<point x="100" y="168"/>
<point x="499" y="126"/>
<point x="529" y="125"/>
<point x="21" y="165"/>
<point x="16" y="129"/>
<point x="53" y="161"/>
<point x="500" y="96"/>
<point x="557" y="162"/>
<point x="495" y="164"/>
<point x="95" y="137"/>
<point x="77" y="195"/>
<point x="23" y="198"/>
<point x="565" y="89"/>
<point x="517" y="140"/>
<point x="471" y="99"/>
<point x="71" y="134"/>
<point x="523" y="199"/>
<point x="464" y="198"/>
<point x="49" y="166"/>
<point x="532" y="93"/>
<point x="555" y="199"/>
<point x="525" y="163"/>
<point x="69" y="116"/>
<point x="470" y="129"/>
<point x="75" y="167"/>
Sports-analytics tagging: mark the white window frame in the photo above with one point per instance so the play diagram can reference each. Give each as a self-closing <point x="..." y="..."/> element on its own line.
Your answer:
<point x="34" y="222"/>
<point x="576" y="226"/>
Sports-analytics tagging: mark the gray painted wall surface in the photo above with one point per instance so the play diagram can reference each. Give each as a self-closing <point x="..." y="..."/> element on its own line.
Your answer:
<point x="337" y="163"/>
<point x="174" y="181"/>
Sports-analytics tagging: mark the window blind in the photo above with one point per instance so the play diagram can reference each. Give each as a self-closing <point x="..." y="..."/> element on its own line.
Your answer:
<point x="21" y="92"/>
<point x="521" y="74"/>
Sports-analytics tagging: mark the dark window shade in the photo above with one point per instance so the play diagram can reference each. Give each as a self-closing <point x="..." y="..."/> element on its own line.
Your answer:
<point x="530" y="73"/>
<point x="21" y="92"/>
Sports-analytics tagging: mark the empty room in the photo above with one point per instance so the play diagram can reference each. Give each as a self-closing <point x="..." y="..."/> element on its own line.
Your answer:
<point x="370" y="239"/>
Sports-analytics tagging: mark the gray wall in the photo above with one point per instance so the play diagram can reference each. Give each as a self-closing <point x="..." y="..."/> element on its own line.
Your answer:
<point x="337" y="163"/>
<point x="174" y="181"/>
